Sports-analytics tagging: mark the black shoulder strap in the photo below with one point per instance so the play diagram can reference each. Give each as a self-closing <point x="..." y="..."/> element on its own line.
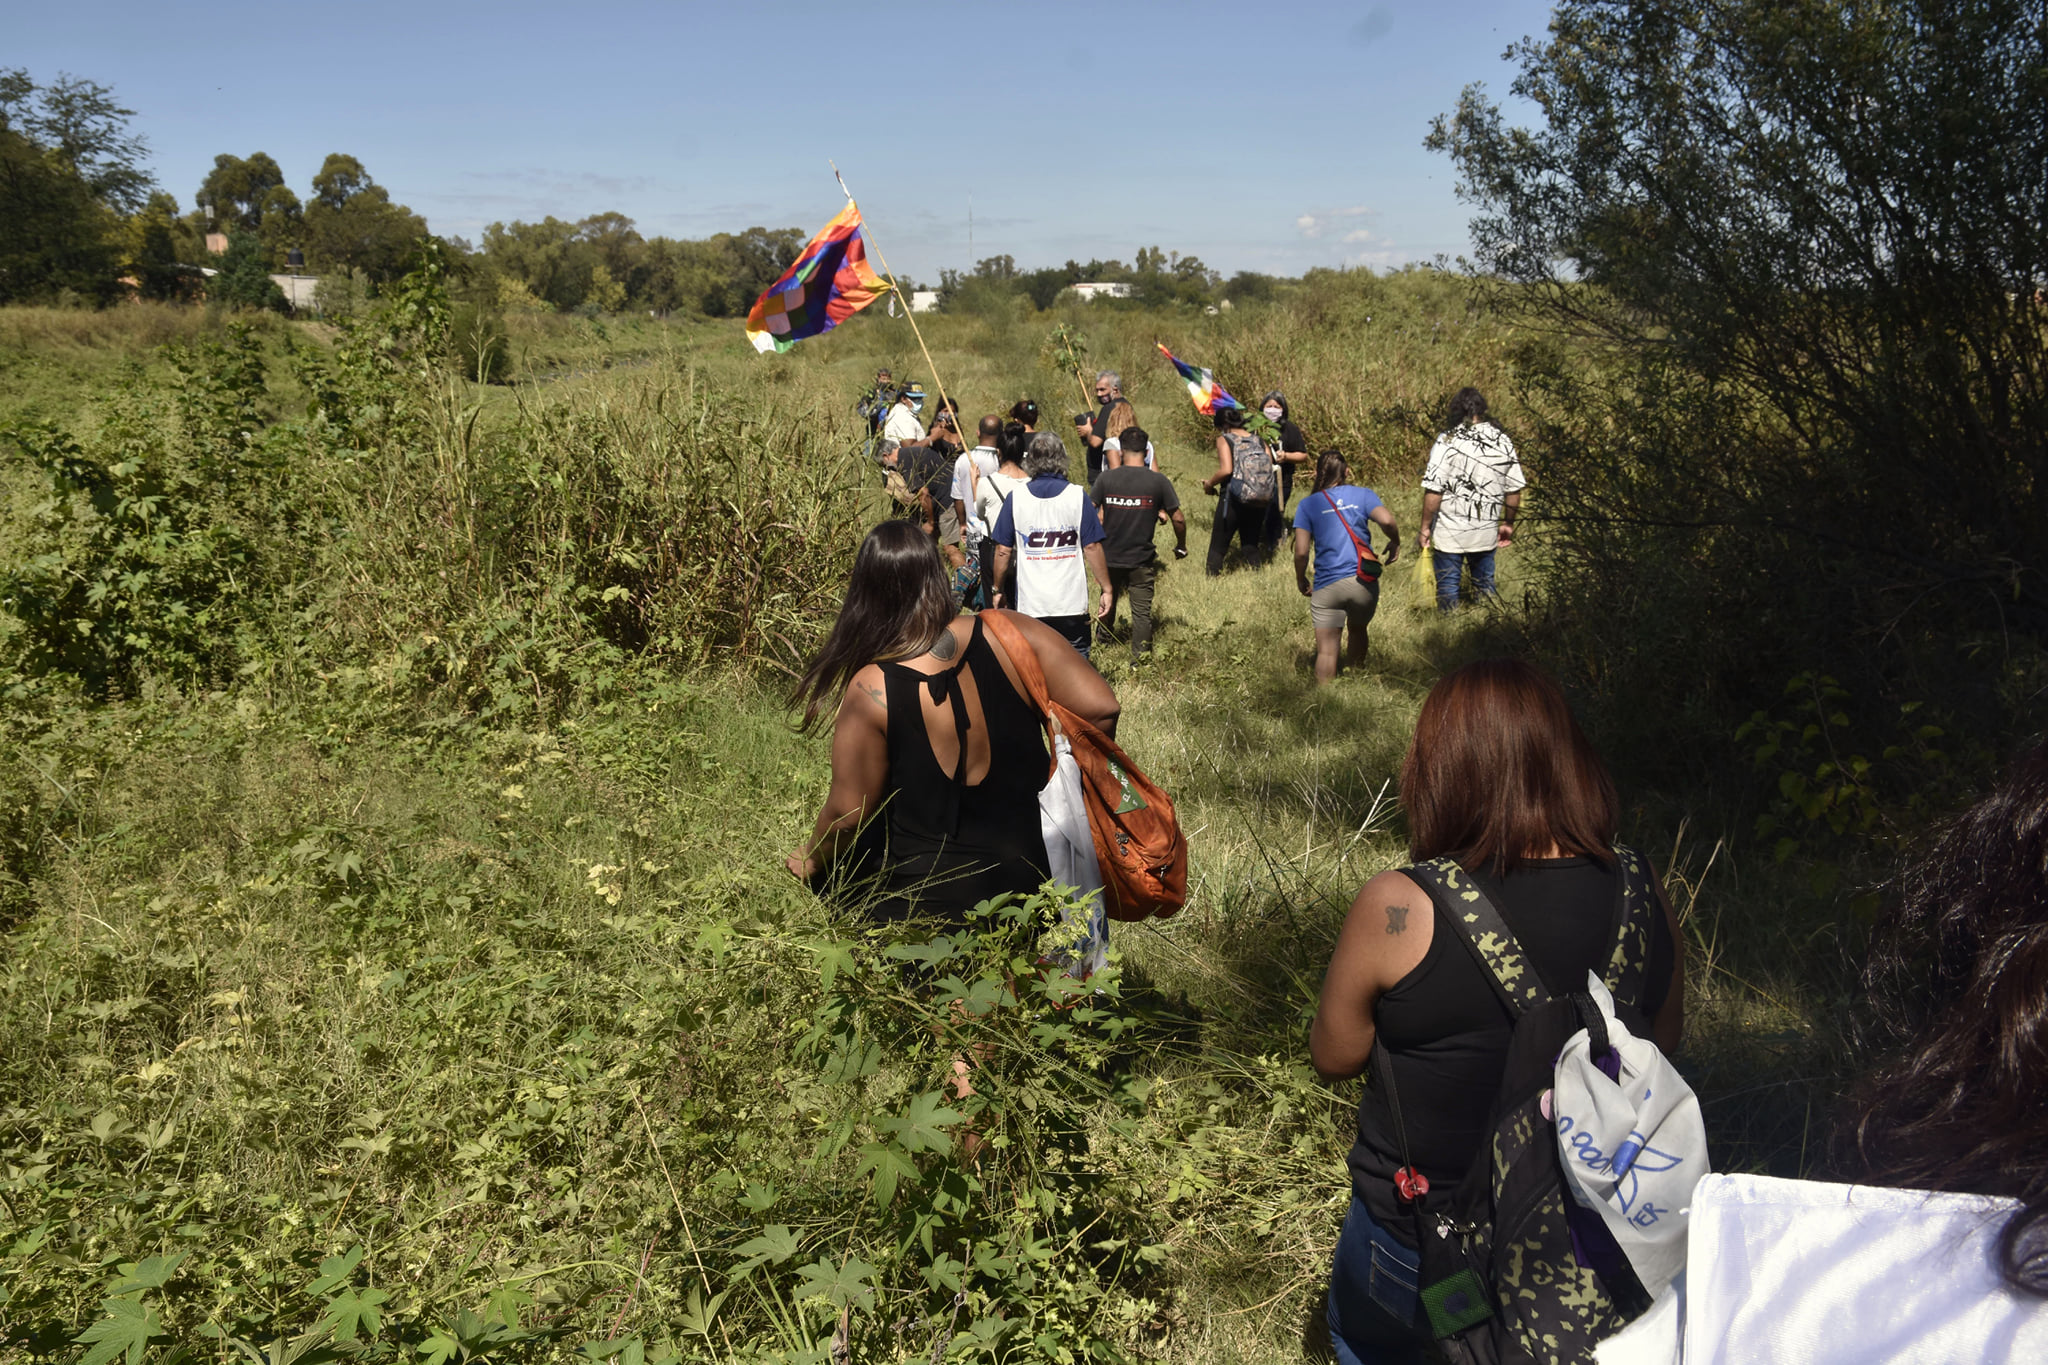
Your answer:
<point x="1457" y="894"/>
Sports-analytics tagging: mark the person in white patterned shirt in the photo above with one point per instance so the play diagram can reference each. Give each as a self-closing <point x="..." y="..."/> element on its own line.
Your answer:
<point x="1471" y="494"/>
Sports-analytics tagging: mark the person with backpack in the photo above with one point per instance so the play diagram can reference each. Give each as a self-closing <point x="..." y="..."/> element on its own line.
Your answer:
<point x="1335" y="523"/>
<point x="1244" y="486"/>
<point x="1517" y="891"/>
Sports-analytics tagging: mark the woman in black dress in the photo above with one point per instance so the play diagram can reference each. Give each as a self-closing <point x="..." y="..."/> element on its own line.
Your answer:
<point x="934" y="736"/>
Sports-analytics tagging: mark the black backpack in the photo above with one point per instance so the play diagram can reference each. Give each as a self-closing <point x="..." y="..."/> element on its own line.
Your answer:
<point x="1499" y="1280"/>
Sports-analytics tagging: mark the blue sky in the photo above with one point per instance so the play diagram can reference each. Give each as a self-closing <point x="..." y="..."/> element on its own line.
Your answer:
<point x="1268" y="137"/>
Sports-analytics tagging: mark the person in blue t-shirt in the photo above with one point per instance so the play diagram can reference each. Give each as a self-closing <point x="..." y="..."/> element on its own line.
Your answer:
<point x="1334" y="521"/>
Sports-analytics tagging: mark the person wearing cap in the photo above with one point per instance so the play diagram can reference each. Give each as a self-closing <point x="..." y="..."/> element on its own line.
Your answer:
<point x="903" y="425"/>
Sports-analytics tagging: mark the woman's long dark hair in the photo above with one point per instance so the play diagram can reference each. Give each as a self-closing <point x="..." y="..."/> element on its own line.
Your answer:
<point x="1330" y="470"/>
<point x="1499" y="769"/>
<point x="897" y="602"/>
<point x="1025" y="410"/>
<point x="1958" y="981"/>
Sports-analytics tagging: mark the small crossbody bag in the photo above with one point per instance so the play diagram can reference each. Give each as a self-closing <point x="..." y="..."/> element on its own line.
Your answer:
<point x="1369" y="565"/>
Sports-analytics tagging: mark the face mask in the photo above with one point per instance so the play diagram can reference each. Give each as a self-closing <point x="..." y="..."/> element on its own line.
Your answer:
<point x="1274" y="414"/>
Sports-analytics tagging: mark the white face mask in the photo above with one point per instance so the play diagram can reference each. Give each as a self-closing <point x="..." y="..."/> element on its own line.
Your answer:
<point x="1273" y="414"/>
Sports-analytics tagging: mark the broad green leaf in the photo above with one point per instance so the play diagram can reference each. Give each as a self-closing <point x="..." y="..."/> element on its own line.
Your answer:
<point x="889" y="1163"/>
<point x="352" y="1311"/>
<point x="436" y="1349"/>
<point x="28" y="1242"/>
<point x="698" y="1318"/>
<point x="152" y="1273"/>
<point x="922" y="1127"/>
<point x="841" y="1285"/>
<point x="777" y="1244"/>
<point x="128" y="1326"/>
<point x="334" y="1272"/>
<point x="834" y="956"/>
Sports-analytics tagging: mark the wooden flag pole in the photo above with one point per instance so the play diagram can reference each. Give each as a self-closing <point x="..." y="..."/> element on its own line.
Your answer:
<point x="881" y="260"/>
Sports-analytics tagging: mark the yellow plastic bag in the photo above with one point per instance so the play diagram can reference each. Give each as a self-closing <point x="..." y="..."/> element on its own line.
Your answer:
<point x="1423" y="598"/>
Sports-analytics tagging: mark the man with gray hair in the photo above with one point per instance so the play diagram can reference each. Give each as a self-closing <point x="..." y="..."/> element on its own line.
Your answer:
<point x="1051" y="532"/>
<point x="1114" y="415"/>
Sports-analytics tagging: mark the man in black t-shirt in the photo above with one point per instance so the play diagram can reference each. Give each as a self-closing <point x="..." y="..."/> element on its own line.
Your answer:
<point x="1134" y="500"/>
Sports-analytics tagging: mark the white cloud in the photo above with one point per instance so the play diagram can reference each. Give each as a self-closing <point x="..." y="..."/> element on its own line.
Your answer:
<point x="1322" y="222"/>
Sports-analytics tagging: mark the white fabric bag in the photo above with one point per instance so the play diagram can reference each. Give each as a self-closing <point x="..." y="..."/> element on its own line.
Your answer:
<point x="1633" y="1148"/>
<point x="1821" y="1274"/>
<point x="1083" y="936"/>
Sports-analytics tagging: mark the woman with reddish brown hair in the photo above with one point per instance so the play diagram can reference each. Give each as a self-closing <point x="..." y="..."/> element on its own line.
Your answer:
<point x="1501" y="781"/>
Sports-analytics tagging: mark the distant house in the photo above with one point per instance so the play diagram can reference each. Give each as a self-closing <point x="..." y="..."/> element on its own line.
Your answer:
<point x="298" y="290"/>
<point x="923" y="300"/>
<point x="1091" y="292"/>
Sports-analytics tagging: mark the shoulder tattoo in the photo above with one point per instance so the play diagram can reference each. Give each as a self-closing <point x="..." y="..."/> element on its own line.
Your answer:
<point x="1397" y="918"/>
<point x="876" y="695"/>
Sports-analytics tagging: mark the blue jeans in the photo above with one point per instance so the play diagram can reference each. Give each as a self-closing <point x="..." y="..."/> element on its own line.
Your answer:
<point x="1373" y="1306"/>
<point x="1448" y="563"/>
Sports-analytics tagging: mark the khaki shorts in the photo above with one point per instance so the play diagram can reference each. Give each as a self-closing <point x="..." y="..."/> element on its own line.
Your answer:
<point x="1347" y="601"/>
<point x="949" y="525"/>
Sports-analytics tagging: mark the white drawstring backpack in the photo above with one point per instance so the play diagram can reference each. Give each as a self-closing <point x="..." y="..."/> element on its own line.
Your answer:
<point x="1633" y="1142"/>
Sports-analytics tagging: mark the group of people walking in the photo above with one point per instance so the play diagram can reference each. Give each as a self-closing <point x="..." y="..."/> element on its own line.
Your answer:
<point x="939" y="756"/>
<point x="1015" y="531"/>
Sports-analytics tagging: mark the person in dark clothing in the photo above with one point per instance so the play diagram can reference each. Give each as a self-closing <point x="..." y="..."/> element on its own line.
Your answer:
<point x="1114" y="414"/>
<point x="1134" y="500"/>
<point x="1500" y="778"/>
<point x="1293" y="455"/>
<point x="935" y="748"/>
<point x="1244" y="486"/>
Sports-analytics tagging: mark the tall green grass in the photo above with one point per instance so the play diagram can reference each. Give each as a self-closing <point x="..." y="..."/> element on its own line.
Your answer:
<point x="433" y="953"/>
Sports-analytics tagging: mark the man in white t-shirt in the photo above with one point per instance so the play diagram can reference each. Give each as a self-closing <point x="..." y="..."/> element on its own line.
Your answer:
<point x="903" y="426"/>
<point x="1050" y="530"/>
<point x="1471" y="493"/>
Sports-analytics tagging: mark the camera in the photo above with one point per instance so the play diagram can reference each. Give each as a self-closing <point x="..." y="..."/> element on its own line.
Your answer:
<point x="1082" y="419"/>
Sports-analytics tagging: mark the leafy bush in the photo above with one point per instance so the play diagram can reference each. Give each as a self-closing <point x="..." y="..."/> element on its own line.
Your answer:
<point x="144" y="553"/>
<point x="244" y="279"/>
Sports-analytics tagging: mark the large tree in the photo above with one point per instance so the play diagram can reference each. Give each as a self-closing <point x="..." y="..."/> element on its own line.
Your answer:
<point x="237" y="187"/>
<point x="1810" y="237"/>
<point x="63" y="181"/>
<point x="351" y="223"/>
<point x="80" y="121"/>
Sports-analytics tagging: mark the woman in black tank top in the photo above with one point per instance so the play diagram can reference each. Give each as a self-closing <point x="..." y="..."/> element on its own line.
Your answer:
<point x="937" y="755"/>
<point x="1501" y="779"/>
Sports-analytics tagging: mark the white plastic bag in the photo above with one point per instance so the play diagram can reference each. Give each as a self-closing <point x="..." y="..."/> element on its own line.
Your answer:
<point x="1070" y="853"/>
<point x="1633" y="1148"/>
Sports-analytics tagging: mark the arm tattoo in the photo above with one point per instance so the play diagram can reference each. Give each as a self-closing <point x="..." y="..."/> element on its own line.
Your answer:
<point x="875" y="695"/>
<point x="945" y="647"/>
<point x="1397" y="918"/>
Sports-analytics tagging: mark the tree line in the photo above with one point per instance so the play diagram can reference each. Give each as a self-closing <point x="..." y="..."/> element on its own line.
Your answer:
<point x="83" y="219"/>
